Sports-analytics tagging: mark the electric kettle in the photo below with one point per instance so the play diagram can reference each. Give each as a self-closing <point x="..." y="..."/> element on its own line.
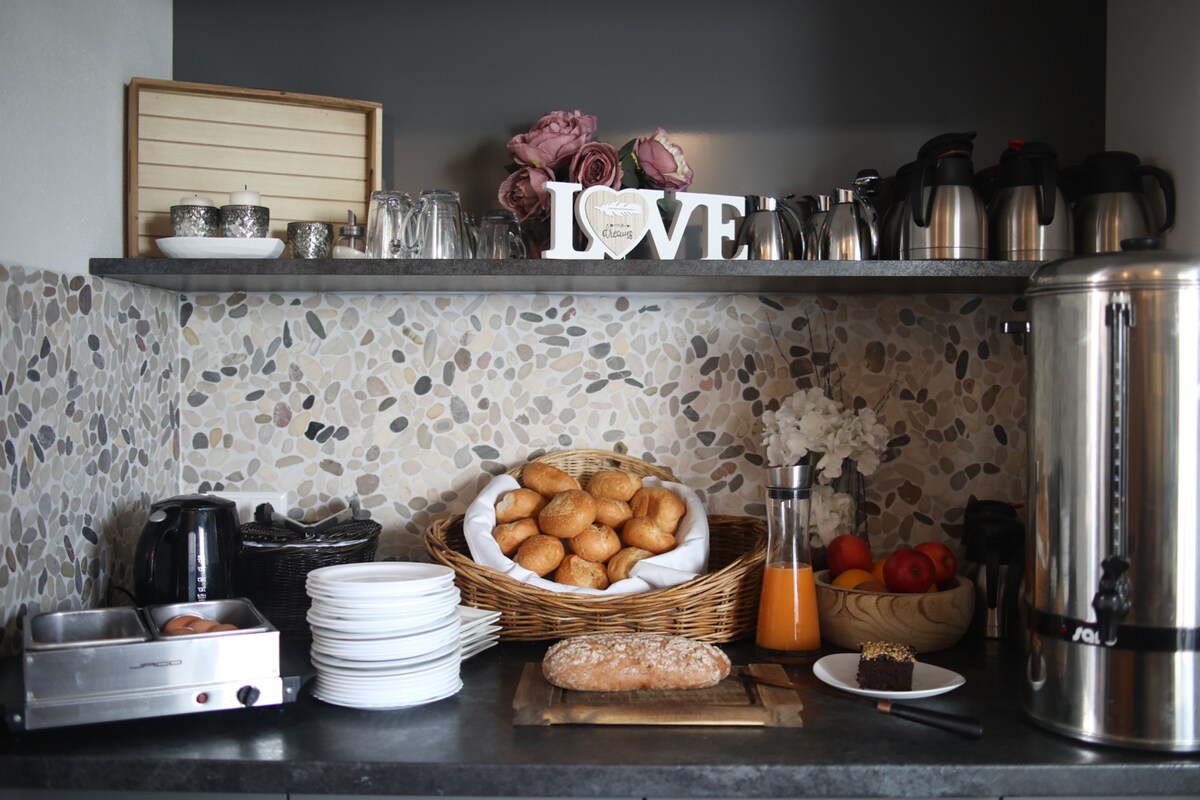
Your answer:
<point x="947" y="218"/>
<point x="850" y="231"/>
<point x="188" y="551"/>
<point x="770" y="231"/>
<point x="1114" y="207"/>
<point x="1028" y="217"/>
<point x="995" y="540"/>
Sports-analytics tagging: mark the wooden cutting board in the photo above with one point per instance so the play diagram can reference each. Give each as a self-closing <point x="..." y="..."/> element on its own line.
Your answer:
<point x="733" y="701"/>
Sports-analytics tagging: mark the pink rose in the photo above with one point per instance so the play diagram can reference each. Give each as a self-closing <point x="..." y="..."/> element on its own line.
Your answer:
<point x="552" y="141"/>
<point x="596" y="164"/>
<point x="524" y="193"/>
<point x="662" y="161"/>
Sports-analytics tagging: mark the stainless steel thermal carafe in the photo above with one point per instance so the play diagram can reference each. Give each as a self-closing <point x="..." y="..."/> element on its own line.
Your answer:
<point x="1112" y="551"/>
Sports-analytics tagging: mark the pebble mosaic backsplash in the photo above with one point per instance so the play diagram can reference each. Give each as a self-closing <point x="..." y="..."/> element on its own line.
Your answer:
<point x="112" y="396"/>
<point x="412" y="402"/>
<point x="89" y="391"/>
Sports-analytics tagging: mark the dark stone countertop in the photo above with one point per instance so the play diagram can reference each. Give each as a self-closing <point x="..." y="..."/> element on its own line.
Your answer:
<point x="467" y="745"/>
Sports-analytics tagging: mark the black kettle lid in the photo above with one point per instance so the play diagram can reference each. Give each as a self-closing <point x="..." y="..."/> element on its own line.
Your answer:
<point x="1025" y="163"/>
<point x="1112" y="171"/>
<point x="195" y="502"/>
<point x="993" y="526"/>
<point x="948" y="145"/>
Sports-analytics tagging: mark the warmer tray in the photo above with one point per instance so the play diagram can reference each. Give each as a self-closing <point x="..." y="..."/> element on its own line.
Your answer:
<point x="116" y="663"/>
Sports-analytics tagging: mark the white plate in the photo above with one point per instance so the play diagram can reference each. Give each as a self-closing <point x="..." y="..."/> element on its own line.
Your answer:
<point x="357" y="701"/>
<point x="478" y="646"/>
<point x="386" y="579"/>
<point x="341" y="606"/>
<point x="217" y="247"/>
<point x="342" y="666"/>
<point x="389" y="624"/>
<point x="840" y="670"/>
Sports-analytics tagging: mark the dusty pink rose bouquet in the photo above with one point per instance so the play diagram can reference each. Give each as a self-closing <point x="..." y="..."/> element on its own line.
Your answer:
<point x="559" y="147"/>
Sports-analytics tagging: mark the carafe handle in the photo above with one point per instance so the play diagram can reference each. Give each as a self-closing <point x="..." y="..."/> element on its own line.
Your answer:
<point x="872" y="217"/>
<point x="799" y="238"/>
<point x="1168" y="189"/>
<point x="1048" y="184"/>
<point x="921" y="209"/>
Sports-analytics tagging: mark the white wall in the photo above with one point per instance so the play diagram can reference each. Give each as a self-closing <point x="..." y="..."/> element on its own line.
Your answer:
<point x="1153" y="104"/>
<point x="63" y="68"/>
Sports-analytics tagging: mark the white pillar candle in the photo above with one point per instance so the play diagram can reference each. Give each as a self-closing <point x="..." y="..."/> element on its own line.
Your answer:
<point x="245" y="198"/>
<point x="194" y="200"/>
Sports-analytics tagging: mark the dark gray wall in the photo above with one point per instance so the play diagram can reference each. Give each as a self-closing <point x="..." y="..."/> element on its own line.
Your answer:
<point x="767" y="97"/>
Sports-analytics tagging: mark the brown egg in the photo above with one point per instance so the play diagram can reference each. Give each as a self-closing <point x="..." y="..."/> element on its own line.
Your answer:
<point x="204" y="625"/>
<point x="175" y="623"/>
<point x="180" y="631"/>
<point x="224" y="626"/>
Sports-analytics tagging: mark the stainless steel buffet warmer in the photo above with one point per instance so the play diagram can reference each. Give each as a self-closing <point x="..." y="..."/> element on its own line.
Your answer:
<point x="116" y="663"/>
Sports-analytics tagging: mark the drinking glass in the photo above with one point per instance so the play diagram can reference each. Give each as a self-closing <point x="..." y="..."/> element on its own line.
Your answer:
<point x="499" y="235"/>
<point x="434" y="227"/>
<point x="384" y="218"/>
<point x="788" y="628"/>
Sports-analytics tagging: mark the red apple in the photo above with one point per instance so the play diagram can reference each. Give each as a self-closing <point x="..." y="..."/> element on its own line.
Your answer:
<point x="908" y="570"/>
<point x="847" y="552"/>
<point x="944" y="565"/>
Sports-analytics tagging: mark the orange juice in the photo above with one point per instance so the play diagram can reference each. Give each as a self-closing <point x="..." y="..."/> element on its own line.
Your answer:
<point x="787" y="611"/>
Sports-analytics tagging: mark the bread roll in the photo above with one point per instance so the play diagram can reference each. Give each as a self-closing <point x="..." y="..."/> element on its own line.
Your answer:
<point x="568" y="514"/>
<point x="519" y="504"/>
<point x="644" y="532"/>
<point x="576" y="571"/>
<point x="546" y="480"/>
<point x="612" y="513"/>
<point x="613" y="484"/>
<point x="597" y="543"/>
<point x="623" y="662"/>
<point x="661" y="505"/>
<point x="620" y="565"/>
<point x="540" y="554"/>
<point x="510" y="535"/>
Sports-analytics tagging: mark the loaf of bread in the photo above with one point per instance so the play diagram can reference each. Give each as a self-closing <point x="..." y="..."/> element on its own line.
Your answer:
<point x="546" y="480"/>
<point x="620" y="565"/>
<point x="576" y="571"/>
<point x="519" y="504"/>
<point x="614" y="484"/>
<point x="568" y="514"/>
<point x="540" y="554"/>
<point x="622" y="662"/>
<point x="510" y="535"/>
<point x="613" y="513"/>
<point x="659" y="504"/>
<point x="597" y="543"/>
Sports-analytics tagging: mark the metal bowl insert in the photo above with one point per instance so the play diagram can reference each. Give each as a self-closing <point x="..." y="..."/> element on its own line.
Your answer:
<point x="89" y="628"/>
<point x="238" y="611"/>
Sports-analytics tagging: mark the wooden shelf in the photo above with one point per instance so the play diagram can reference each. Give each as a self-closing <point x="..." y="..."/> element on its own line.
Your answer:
<point x="573" y="277"/>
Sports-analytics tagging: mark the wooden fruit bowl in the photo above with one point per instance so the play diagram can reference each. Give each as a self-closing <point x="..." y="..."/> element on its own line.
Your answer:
<point x="928" y="622"/>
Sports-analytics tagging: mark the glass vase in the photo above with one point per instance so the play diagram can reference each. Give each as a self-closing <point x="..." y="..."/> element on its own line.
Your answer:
<point x="788" y="628"/>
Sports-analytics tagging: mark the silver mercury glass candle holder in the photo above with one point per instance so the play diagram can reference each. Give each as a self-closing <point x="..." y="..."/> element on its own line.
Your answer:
<point x="195" y="220"/>
<point x="245" y="222"/>
<point x="310" y="239"/>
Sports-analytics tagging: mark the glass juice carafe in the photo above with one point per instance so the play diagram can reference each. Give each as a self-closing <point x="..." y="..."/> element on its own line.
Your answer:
<point x="788" y="628"/>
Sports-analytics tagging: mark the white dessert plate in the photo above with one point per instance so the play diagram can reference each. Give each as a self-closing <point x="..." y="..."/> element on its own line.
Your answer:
<point x="370" y="702"/>
<point x="478" y="646"/>
<point x="840" y="670"/>
<point x="387" y="579"/>
<point x="341" y="666"/>
<point x="217" y="247"/>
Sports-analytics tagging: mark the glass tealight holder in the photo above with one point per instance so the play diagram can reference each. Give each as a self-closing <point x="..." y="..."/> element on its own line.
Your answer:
<point x="245" y="222"/>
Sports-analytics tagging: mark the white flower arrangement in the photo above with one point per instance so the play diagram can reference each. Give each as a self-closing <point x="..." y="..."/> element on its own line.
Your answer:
<point x="812" y="426"/>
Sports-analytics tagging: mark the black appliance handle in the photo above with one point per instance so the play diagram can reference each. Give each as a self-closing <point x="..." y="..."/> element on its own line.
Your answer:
<point x="916" y="193"/>
<point x="1168" y="189"/>
<point x="992" y="575"/>
<point x="1048" y="181"/>
<point x="170" y="525"/>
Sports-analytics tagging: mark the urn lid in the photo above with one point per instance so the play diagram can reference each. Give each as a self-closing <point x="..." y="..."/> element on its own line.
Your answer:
<point x="1132" y="269"/>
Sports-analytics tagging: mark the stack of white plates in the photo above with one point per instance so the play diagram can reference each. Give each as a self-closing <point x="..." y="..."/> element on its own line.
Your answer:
<point x="385" y="635"/>
<point x="480" y="630"/>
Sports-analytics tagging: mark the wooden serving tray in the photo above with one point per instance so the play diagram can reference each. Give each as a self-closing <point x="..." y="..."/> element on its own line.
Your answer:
<point x="732" y="702"/>
<point x="310" y="157"/>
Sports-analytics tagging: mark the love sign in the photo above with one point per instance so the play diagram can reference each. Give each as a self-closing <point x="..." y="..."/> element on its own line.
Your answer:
<point x="614" y="222"/>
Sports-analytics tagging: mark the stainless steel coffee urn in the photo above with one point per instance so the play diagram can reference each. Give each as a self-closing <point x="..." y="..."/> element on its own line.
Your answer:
<point x="1113" y="554"/>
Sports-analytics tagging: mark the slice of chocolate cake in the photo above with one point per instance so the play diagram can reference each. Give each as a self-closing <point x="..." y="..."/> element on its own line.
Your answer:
<point x="886" y="666"/>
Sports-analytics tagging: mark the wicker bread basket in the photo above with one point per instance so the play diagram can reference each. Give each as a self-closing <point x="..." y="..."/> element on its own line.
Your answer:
<point x="719" y="606"/>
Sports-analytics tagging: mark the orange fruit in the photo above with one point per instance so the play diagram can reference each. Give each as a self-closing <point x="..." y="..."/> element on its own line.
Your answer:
<point x="932" y="588"/>
<point x="851" y="578"/>
<point x="877" y="569"/>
